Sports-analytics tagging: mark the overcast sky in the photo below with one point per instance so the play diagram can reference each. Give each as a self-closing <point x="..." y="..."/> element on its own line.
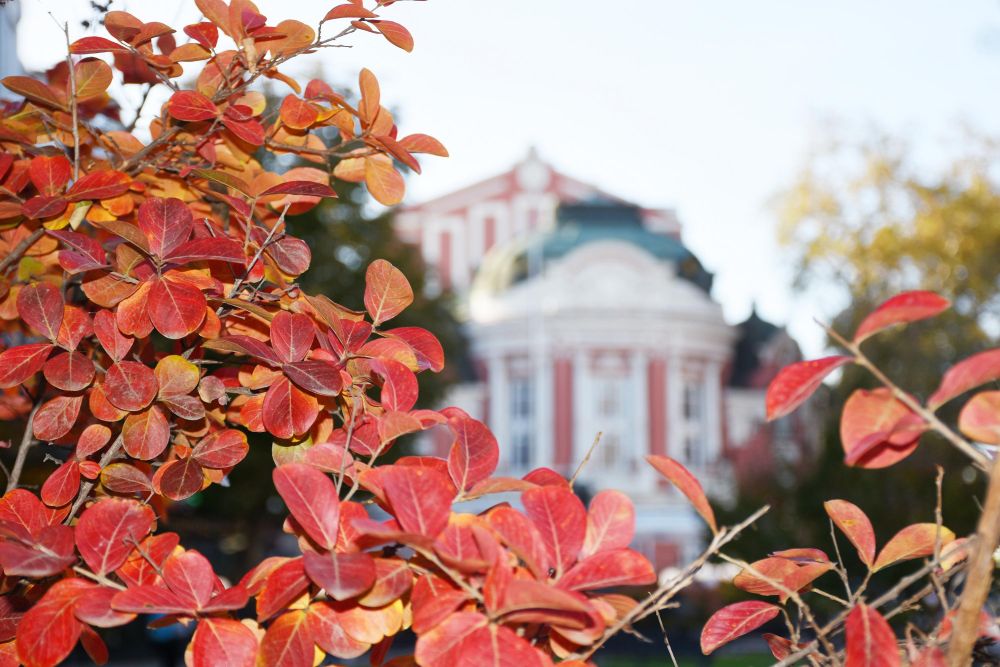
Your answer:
<point x="707" y="107"/>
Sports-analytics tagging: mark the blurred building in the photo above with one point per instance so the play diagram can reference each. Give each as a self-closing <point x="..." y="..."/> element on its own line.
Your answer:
<point x="588" y="314"/>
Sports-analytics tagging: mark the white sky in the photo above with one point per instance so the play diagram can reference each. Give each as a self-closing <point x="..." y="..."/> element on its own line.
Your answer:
<point x="707" y="107"/>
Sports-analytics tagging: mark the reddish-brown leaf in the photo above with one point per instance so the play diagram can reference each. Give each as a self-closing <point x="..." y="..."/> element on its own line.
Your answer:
<point x="50" y="173"/>
<point x="287" y="410"/>
<point x="327" y="629"/>
<point x="126" y="479"/>
<point x="914" y="541"/>
<point x="56" y="417"/>
<point x="420" y="498"/>
<point x="69" y="371"/>
<point x="797" y="382"/>
<point x="191" y="105"/>
<point x="112" y="340"/>
<point x="561" y="519"/>
<point x="619" y="567"/>
<point x="48" y="554"/>
<point x="83" y="254"/>
<point x="292" y="335"/>
<point x="426" y="347"/>
<point x="19" y="363"/>
<point x="108" y="531"/>
<point x="224" y="641"/>
<point x="94" y="608"/>
<point x="176" y="308"/>
<point x="303" y="188"/>
<point x="442" y="645"/>
<point x="399" y="384"/>
<point x="877" y="429"/>
<point x="387" y="291"/>
<point x="854" y="523"/>
<point x="250" y="131"/>
<point x="341" y="575"/>
<point x="687" y="484"/>
<point x="102" y="184"/>
<point x="179" y="479"/>
<point x="34" y="90"/>
<point x="205" y="33"/>
<point x="209" y="249"/>
<point x="222" y="449"/>
<point x="166" y="222"/>
<point x="92" y="440"/>
<point x="316" y="376"/>
<point x="189" y="575"/>
<point x="734" y="621"/>
<point x="523" y="538"/>
<point x="41" y="306"/>
<point x="130" y="385"/>
<point x="870" y="640"/>
<point x="901" y="309"/>
<point x="312" y="499"/>
<point x="49" y="631"/>
<point x="298" y="114"/>
<point x="88" y="45"/>
<point x="93" y="76"/>
<point x="146" y="434"/>
<point x="966" y="375"/>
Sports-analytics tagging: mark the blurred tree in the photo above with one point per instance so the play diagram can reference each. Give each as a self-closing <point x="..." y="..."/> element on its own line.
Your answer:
<point x="865" y="221"/>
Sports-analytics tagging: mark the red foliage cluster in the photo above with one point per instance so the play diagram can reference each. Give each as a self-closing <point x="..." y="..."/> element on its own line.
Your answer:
<point x="149" y="302"/>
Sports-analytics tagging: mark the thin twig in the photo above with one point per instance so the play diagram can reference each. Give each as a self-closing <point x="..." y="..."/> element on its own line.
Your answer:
<point x="88" y="486"/>
<point x="27" y="440"/>
<point x="97" y="577"/>
<point x="73" y="105"/>
<point x="586" y="458"/>
<point x="21" y="248"/>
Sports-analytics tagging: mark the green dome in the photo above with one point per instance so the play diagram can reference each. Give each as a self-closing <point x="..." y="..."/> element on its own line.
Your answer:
<point x="577" y="225"/>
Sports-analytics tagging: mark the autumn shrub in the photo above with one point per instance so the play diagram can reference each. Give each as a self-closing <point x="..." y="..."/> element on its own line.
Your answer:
<point x="151" y="318"/>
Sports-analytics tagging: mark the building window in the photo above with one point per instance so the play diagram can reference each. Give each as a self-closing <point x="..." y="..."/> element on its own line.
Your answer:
<point x="612" y="420"/>
<point x="522" y="423"/>
<point x="694" y="423"/>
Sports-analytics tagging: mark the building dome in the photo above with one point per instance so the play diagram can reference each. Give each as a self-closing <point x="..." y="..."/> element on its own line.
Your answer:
<point x="577" y="225"/>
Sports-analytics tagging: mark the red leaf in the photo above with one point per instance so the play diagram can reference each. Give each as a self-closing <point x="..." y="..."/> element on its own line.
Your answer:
<point x="499" y="646"/>
<point x="561" y="519"/>
<point x="312" y="499"/>
<point x="687" y="484"/>
<point x="350" y="10"/>
<point x="870" y="640"/>
<point x="49" y="631"/>
<point x="474" y="454"/>
<point x="109" y="530"/>
<point x="396" y="34"/>
<point x="523" y="538"/>
<point x="34" y="90"/>
<point x="89" y="45"/>
<point x="620" y="567"/>
<point x="103" y="184"/>
<point x="189" y="575"/>
<point x="224" y="641"/>
<point x="393" y="579"/>
<point x="795" y="383"/>
<point x="245" y="345"/>
<point x="304" y="188"/>
<point x="22" y="514"/>
<point x="84" y="253"/>
<point x="399" y="385"/>
<point x="441" y="645"/>
<point x="426" y="347"/>
<point x="209" y="249"/>
<point x="41" y="305"/>
<point x="735" y="621"/>
<point x="175" y="376"/>
<point x="287" y="410"/>
<point x="191" y="105"/>
<point x="877" y="429"/>
<point x="179" y="479"/>
<point x="610" y="523"/>
<point x="39" y="207"/>
<point x="966" y="375"/>
<point x="146" y="434"/>
<point x="327" y="629"/>
<point x="49" y="554"/>
<point x="166" y="223"/>
<point x="149" y="599"/>
<point x="62" y="485"/>
<point x="292" y="255"/>
<point x="420" y="498"/>
<point x="292" y="335"/>
<point x="50" y="174"/>
<point x="19" y="363"/>
<point x="130" y="385"/>
<point x="112" y="340"/>
<point x="341" y="575"/>
<point x="69" y="371"/>
<point x="854" y="523"/>
<point x="387" y="292"/>
<point x="94" y="608"/>
<point x="980" y="417"/>
<point x="222" y="449"/>
<point x="250" y="131"/>
<point x="56" y="417"/>
<point x="205" y="33"/>
<point x="316" y="376"/>
<point x="176" y="309"/>
<point x="126" y="479"/>
<point x="287" y="642"/>
<point x="283" y="584"/>
<point x="901" y="309"/>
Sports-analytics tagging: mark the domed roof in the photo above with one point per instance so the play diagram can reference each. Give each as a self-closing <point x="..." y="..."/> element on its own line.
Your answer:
<point x="576" y="225"/>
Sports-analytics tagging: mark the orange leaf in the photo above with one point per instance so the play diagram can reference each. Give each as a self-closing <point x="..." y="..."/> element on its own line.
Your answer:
<point x="384" y="183"/>
<point x="795" y="383"/>
<point x="396" y="34"/>
<point x="915" y="541"/>
<point x="900" y="309"/>
<point x="855" y="524"/>
<point x="980" y="417"/>
<point x="735" y="621"/>
<point x="687" y="484"/>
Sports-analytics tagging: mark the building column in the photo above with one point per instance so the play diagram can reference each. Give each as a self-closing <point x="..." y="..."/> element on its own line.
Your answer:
<point x="656" y="406"/>
<point x="499" y="417"/>
<point x="563" y="397"/>
<point x="583" y="407"/>
<point x="675" y="407"/>
<point x="639" y="402"/>
<point x="713" y="412"/>
<point x="544" y="397"/>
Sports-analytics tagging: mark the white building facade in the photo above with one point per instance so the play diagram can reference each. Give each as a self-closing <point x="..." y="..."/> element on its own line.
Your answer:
<point x="588" y="315"/>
